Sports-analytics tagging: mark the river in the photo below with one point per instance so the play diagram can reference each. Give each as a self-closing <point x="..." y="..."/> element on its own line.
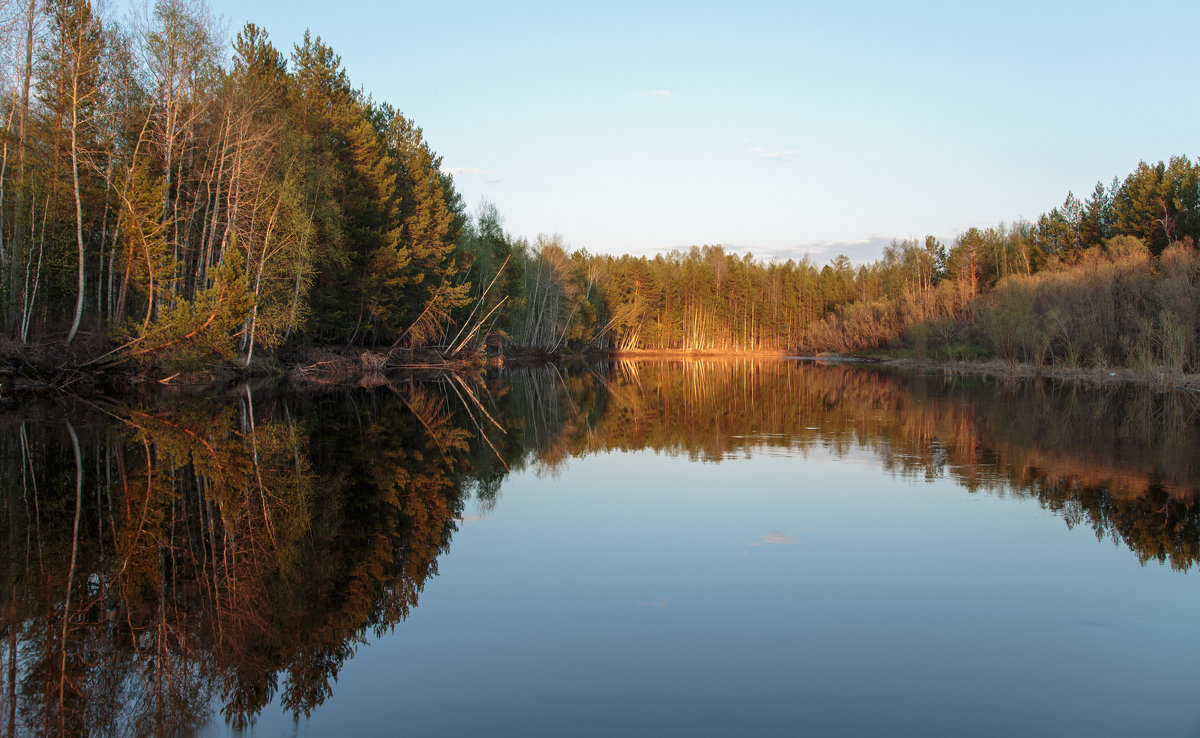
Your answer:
<point x="707" y="547"/>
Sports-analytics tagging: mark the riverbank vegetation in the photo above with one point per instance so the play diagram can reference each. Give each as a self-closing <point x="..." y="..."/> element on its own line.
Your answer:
<point x="1113" y="281"/>
<point x="171" y="199"/>
<point x="189" y="209"/>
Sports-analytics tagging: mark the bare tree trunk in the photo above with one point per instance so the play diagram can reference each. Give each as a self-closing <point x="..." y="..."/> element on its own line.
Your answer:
<point x="262" y="264"/>
<point x="103" y="240"/>
<point x="30" y="297"/>
<point x="78" y="199"/>
<point x="209" y="242"/>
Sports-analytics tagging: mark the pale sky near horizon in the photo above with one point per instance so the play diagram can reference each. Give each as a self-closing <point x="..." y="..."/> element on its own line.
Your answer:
<point x="779" y="128"/>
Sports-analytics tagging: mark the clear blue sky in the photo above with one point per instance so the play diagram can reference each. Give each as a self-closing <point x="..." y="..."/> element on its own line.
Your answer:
<point x="774" y="127"/>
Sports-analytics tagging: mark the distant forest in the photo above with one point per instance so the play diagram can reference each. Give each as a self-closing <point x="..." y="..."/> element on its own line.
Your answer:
<point x="1113" y="281"/>
<point x="188" y="206"/>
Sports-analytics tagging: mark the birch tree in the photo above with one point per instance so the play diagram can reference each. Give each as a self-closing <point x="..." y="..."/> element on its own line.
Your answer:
<point x="73" y="86"/>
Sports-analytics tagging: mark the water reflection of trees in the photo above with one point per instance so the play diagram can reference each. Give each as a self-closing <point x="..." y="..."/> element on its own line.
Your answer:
<point x="1123" y="460"/>
<point x="225" y="554"/>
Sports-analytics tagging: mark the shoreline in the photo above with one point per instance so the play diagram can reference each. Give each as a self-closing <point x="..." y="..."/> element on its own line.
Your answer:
<point x="32" y="369"/>
<point x="1088" y="376"/>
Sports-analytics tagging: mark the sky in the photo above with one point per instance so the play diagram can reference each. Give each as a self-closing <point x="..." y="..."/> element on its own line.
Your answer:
<point x="775" y="128"/>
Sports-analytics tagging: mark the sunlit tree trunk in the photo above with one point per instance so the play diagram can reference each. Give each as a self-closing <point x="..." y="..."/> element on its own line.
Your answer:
<point x="80" y="276"/>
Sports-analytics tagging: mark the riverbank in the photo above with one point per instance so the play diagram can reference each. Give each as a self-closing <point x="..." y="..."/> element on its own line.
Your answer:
<point x="85" y="367"/>
<point x="691" y="353"/>
<point x="1090" y="376"/>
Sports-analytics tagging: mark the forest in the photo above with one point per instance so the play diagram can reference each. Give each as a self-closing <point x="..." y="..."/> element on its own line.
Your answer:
<point x="170" y="198"/>
<point x="188" y="208"/>
<point x="1111" y="281"/>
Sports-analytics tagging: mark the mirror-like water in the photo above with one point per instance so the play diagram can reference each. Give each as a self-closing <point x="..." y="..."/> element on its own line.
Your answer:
<point x="700" y="548"/>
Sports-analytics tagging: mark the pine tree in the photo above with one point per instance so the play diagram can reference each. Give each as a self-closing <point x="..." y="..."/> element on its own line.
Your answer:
<point x="429" y="209"/>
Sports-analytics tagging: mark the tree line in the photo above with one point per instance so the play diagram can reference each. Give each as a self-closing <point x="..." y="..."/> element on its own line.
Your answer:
<point x="1121" y="267"/>
<point x="193" y="200"/>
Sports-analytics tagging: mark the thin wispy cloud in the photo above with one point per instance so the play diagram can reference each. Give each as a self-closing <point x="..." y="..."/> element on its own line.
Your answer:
<point x="784" y="155"/>
<point x="464" y="171"/>
<point x="649" y="93"/>
<point x="778" y="154"/>
<point x="778" y="538"/>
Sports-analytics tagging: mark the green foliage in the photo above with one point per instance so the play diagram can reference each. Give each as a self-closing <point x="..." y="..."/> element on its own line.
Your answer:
<point x="493" y="265"/>
<point x="1159" y="203"/>
<point x="147" y="260"/>
<point x="194" y="333"/>
<point x="419" y="274"/>
<point x="344" y="224"/>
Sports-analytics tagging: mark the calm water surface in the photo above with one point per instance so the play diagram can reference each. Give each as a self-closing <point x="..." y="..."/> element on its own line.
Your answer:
<point x="677" y="548"/>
